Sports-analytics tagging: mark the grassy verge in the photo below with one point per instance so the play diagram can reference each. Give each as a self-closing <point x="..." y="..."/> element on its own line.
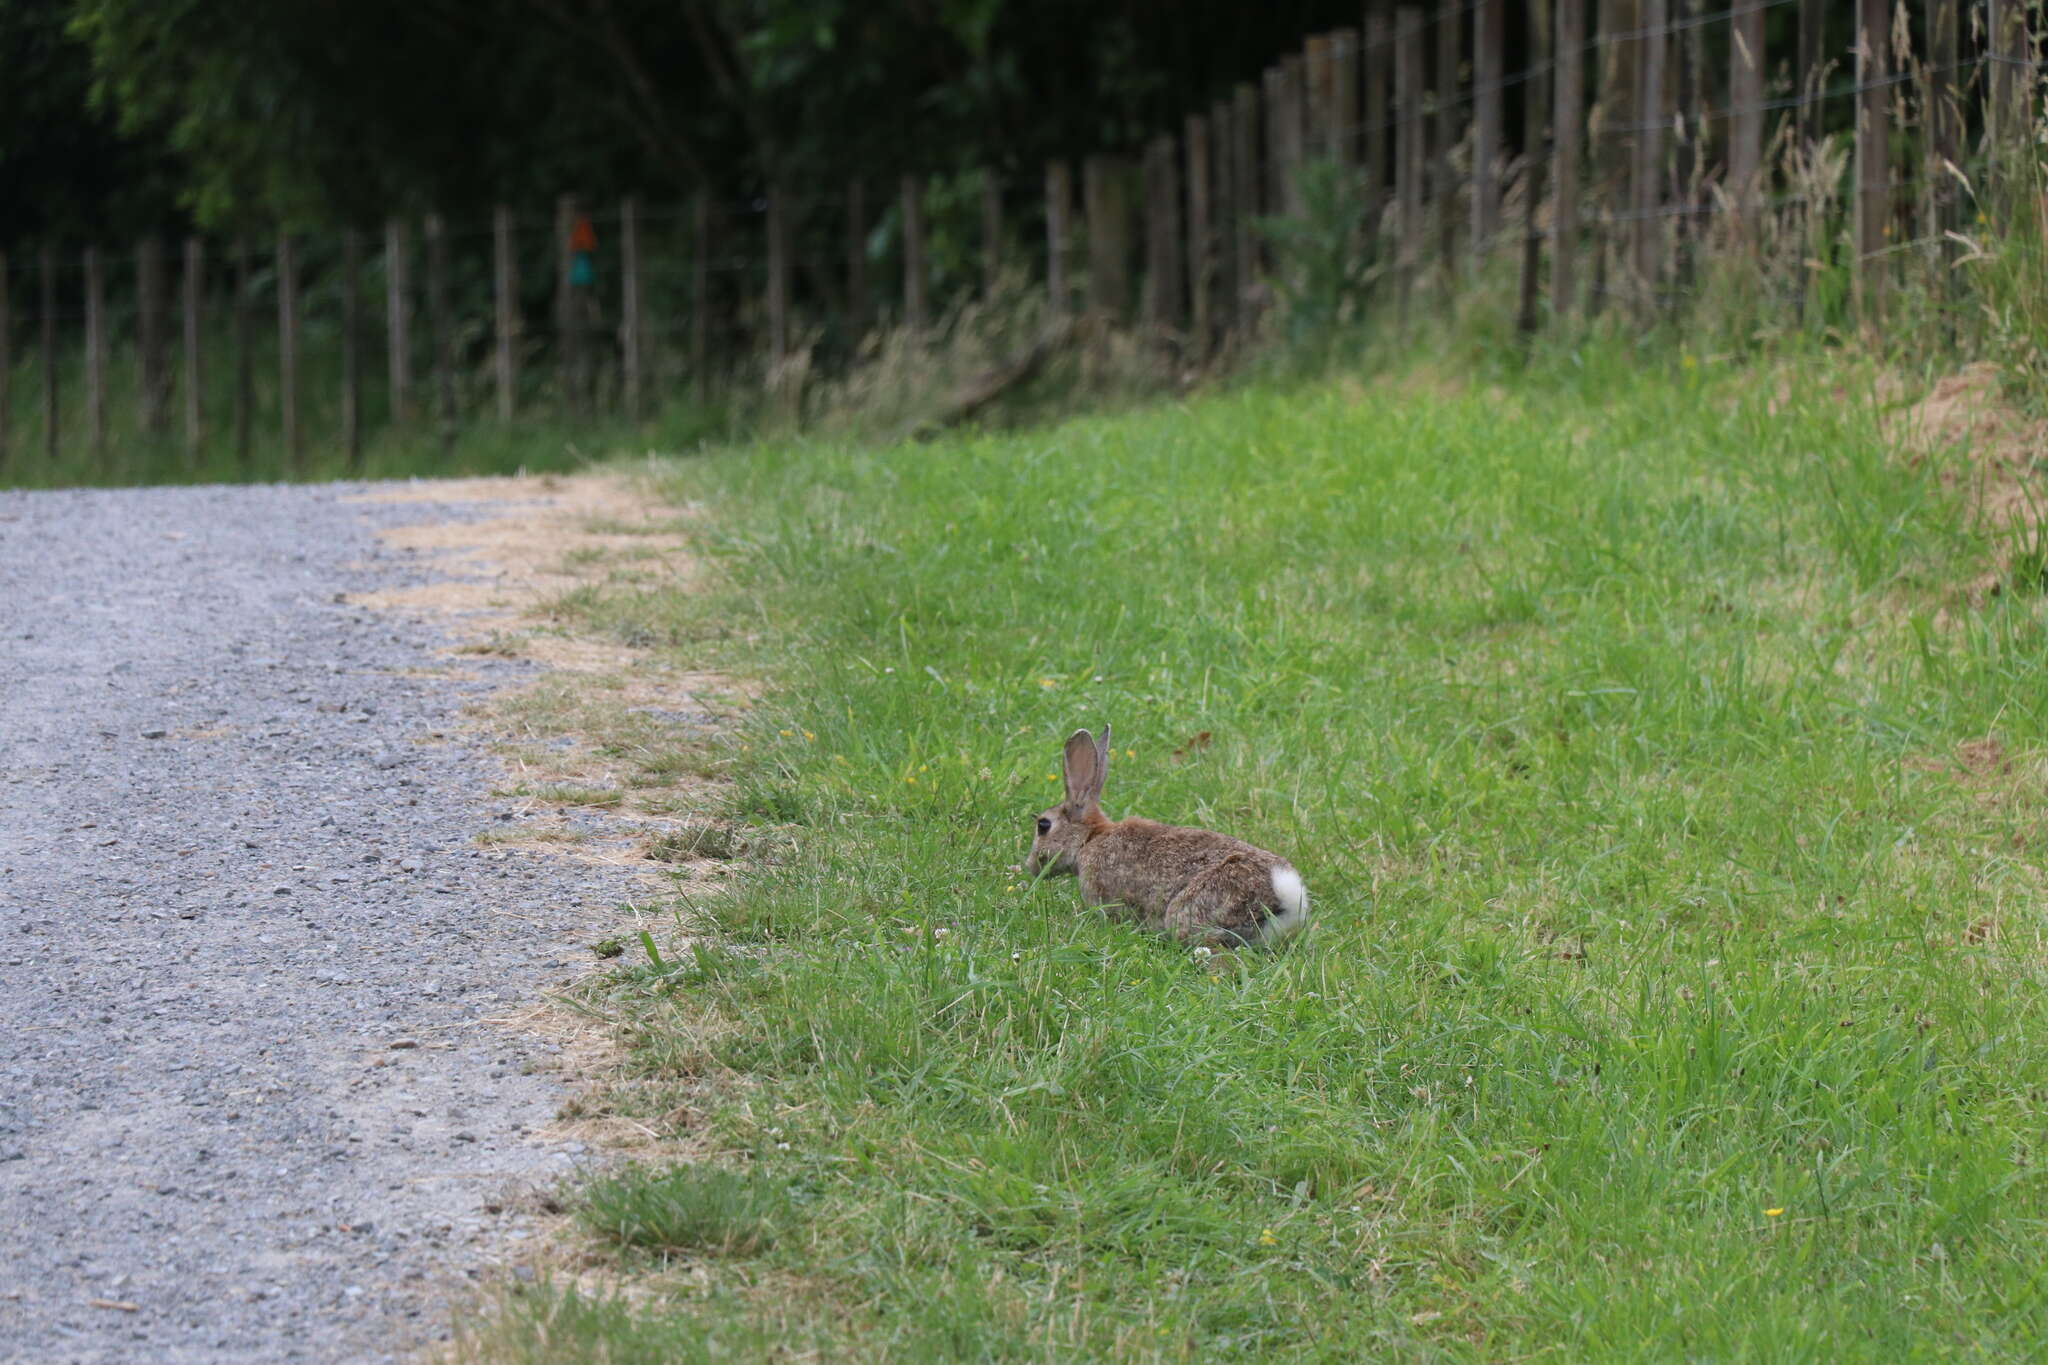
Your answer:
<point x="544" y="438"/>
<point x="1674" y="833"/>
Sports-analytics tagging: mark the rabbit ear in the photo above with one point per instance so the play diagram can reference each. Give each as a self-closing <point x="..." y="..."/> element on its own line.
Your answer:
<point x="1084" y="770"/>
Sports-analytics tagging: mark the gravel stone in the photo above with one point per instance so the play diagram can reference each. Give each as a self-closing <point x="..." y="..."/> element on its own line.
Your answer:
<point x="202" y="1111"/>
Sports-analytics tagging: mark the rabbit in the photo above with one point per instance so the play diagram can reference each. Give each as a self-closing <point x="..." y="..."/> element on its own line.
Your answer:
<point x="1201" y="887"/>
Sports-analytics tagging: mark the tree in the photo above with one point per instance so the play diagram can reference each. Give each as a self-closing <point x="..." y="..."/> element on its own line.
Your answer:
<point x="66" y="169"/>
<point x="316" y="111"/>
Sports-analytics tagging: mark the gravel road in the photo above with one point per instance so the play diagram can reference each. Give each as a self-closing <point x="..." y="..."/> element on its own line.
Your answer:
<point x="253" y="1103"/>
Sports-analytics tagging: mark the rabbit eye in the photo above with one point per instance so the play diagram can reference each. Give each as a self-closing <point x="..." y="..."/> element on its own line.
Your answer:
<point x="1044" y="825"/>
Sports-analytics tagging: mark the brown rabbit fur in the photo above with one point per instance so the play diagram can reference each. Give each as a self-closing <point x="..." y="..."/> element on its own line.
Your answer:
<point x="1197" y="885"/>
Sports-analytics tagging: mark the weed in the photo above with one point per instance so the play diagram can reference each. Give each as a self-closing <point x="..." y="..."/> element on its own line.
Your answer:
<point x="499" y="643"/>
<point x="694" y="840"/>
<point x="1325" y="267"/>
<point x="710" y="1210"/>
<point x="571" y="794"/>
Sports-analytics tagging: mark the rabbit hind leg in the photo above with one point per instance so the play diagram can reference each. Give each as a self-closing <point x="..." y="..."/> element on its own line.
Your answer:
<point x="1225" y="907"/>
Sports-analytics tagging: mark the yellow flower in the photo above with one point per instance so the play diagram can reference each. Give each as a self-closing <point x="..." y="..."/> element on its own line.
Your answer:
<point x="1772" y="1213"/>
<point x="1130" y="753"/>
<point x="1267" y="1239"/>
<point x="1047" y="682"/>
<point x="911" y="778"/>
<point x="809" y="735"/>
<point x="1052" y="777"/>
<point x="783" y="733"/>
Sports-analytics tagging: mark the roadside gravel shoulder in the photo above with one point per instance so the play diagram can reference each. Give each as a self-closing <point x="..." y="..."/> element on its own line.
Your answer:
<point x="263" y="1095"/>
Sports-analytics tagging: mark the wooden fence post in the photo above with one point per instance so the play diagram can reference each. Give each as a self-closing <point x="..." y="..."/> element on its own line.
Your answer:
<point x="194" y="299"/>
<point x="1059" y="207"/>
<point x="991" y="232"/>
<point x="505" y="312"/>
<point x="1222" y="221"/>
<point x="6" y="366"/>
<point x="700" y="296"/>
<point x="245" y="355"/>
<point x="1812" y="67"/>
<point x="152" y="374"/>
<point x="1108" y="210"/>
<point x="1682" y="51"/>
<point x="397" y="320"/>
<point x="1746" y="114"/>
<point x="1873" y="160"/>
<point x="1201" y="251"/>
<point x="1612" y="138"/>
<point x="857" y="299"/>
<point x="632" y="342"/>
<point x="440" y="329"/>
<point x="567" y="332"/>
<point x="1164" y="269"/>
<point x="1449" y="38"/>
<point x="1293" y="131"/>
<point x="351" y="341"/>
<point x="1536" y="156"/>
<point x="288" y="346"/>
<point x="1408" y="148"/>
<point x="1377" y="49"/>
<point x="915" y="280"/>
<point x="1316" y="113"/>
<point x="1273" y="192"/>
<point x="95" y="354"/>
<point x="2007" y="114"/>
<point x="1647" y="179"/>
<point x="1244" y="157"/>
<point x="48" y="319"/>
<point x="1567" y="140"/>
<point x="1343" y="98"/>
<point x="777" y="302"/>
<point x="1808" y="78"/>
<point x="1944" y="147"/>
<point x="1488" y="42"/>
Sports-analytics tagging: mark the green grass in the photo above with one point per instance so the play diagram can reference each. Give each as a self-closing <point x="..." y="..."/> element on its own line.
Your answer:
<point x="1605" y="710"/>
<point x="689" y="1208"/>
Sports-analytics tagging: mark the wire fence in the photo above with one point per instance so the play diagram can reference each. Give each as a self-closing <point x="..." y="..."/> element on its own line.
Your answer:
<point x="1625" y="159"/>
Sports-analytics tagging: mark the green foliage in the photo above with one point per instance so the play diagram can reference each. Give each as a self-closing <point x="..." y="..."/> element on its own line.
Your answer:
<point x="2005" y="263"/>
<point x="66" y="170"/>
<point x="313" y="114"/>
<point x="1323" y="264"/>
